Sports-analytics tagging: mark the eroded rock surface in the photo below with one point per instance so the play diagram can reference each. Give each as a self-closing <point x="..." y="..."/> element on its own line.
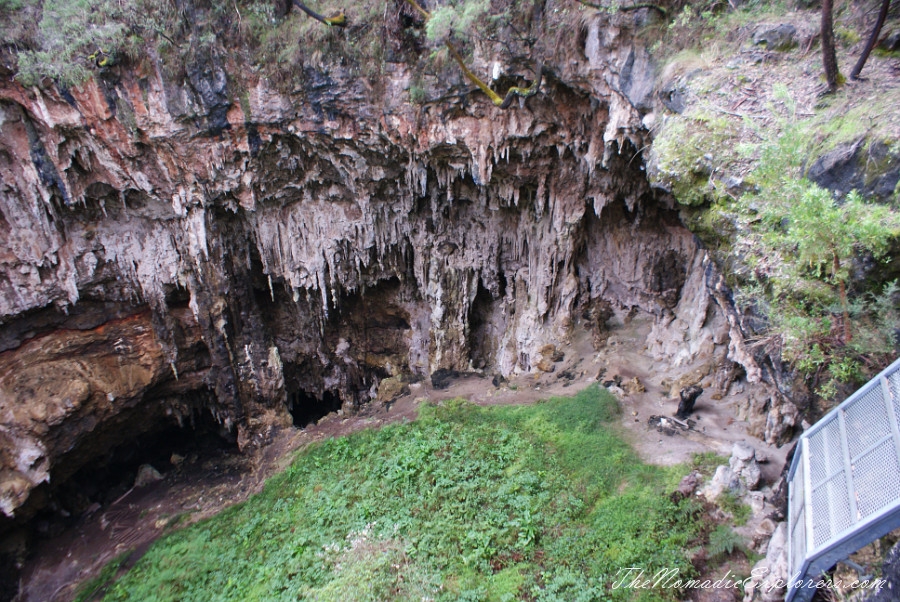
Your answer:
<point x="245" y="255"/>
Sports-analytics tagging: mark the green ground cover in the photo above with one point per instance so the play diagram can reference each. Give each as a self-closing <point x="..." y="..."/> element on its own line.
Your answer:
<point x="539" y="502"/>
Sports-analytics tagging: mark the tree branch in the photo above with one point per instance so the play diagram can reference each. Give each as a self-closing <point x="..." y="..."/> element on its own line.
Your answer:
<point x="336" y="20"/>
<point x="502" y="102"/>
<point x="495" y="98"/>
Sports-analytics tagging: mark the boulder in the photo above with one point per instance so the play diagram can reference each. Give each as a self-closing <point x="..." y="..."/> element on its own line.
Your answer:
<point x="776" y="37"/>
<point x="146" y="475"/>
<point x="744" y="466"/>
<point x="392" y="388"/>
<point x="724" y="480"/>
<point x="871" y="169"/>
<point x="891" y="42"/>
<point x="688" y="485"/>
<point x="549" y="356"/>
<point x="770" y="574"/>
<point x="617" y="391"/>
<point x="673" y="98"/>
<point x="635" y="386"/>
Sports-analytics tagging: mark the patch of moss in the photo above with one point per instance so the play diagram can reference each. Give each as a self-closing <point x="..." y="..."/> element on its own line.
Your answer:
<point x="690" y="152"/>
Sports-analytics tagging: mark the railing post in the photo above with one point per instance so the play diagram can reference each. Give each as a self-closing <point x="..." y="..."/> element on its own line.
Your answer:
<point x="848" y="469"/>
<point x="892" y="415"/>
<point x="807" y="499"/>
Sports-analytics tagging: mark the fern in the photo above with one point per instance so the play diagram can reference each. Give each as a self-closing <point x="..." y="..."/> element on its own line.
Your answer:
<point x="723" y="541"/>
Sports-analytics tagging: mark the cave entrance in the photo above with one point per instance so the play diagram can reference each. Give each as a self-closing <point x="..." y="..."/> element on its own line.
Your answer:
<point x="307" y="408"/>
<point x="483" y="326"/>
<point x="93" y="505"/>
<point x="165" y="448"/>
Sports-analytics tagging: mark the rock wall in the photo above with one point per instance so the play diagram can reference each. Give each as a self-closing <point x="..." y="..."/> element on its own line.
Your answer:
<point x="216" y="241"/>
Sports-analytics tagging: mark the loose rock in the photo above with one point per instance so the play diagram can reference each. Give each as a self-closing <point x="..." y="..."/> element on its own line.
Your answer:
<point x="724" y="480"/>
<point x="776" y="37"/>
<point x="743" y="464"/>
<point x="770" y="574"/>
<point x="146" y="475"/>
<point x="392" y="388"/>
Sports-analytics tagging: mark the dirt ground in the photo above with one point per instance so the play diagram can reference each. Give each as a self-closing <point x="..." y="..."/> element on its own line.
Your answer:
<point x="203" y="485"/>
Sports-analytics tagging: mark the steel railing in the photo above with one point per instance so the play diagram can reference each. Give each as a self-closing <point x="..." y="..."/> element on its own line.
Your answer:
<point x="844" y="482"/>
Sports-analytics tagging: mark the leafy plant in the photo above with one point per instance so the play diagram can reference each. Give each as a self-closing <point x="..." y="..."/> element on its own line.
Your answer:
<point x="706" y="462"/>
<point x="723" y="541"/>
<point x="460" y="17"/>
<point x="690" y="153"/>
<point x="826" y="234"/>
<point x="733" y="505"/>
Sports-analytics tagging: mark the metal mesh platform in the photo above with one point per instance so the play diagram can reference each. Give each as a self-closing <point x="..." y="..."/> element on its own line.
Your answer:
<point x="844" y="482"/>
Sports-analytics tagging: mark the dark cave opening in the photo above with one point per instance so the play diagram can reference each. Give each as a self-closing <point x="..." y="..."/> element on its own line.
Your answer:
<point x="306" y="408"/>
<point x="70" y="498"/>
<point x="110" y="476"/>
<point x="482" y="327"/>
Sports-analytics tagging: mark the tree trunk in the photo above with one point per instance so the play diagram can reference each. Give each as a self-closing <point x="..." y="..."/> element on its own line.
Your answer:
<point x="688" y="396"/>
<point x="842" y="288"/>
<point x="873" y="39"/>
<point x="829" y="57"/>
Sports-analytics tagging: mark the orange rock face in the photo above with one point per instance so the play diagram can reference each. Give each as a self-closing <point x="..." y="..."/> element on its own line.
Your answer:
<point x="55" y="387"/>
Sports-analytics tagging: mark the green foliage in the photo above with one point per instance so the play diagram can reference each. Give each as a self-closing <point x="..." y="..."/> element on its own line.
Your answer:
<point x="458" y="17"/>
<point x="96" y="586"/>
<point x="817" y="237"/>
<point x="733" y="505"/>
<point x="17" y="22"/>
<point x="417" y="94"/>
<point x="791" y="244"/>
<point x="690" y="152"/>
<point x="542" y="502"/>
<point x="822" y="229"/>
<point x="77" y="35"/>
<point x="846" y="37"/>
<point x="723" y="541"/>
<point x="706" y="463"/>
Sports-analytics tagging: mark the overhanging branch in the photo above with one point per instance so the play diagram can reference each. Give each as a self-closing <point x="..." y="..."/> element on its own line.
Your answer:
<point x="336" y="20"/>
<point x="502" y="102"/>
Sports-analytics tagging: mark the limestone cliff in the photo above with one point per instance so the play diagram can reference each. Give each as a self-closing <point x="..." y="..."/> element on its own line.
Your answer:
<point x="210" y="244"/>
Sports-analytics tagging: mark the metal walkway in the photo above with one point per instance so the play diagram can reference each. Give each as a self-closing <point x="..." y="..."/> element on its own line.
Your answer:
<point x="844" y="482"/>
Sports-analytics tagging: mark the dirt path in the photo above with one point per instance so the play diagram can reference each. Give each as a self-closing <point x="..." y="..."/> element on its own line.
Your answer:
<point x="203" y="485"/>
